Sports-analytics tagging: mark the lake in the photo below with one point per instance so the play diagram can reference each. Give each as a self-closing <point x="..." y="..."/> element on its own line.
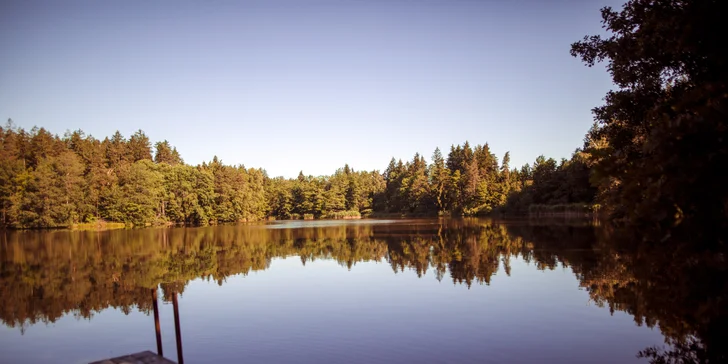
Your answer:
<point x="394" y="291"/>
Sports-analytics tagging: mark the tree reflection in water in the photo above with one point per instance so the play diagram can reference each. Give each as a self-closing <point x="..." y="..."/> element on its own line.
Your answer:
<point x="47" y="274"/>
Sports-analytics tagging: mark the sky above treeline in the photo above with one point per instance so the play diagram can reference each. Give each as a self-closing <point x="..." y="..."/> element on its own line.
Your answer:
<point x="306" y="85"/>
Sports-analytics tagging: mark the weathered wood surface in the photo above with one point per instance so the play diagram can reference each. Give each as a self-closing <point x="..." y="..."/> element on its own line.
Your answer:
<point x="145" y="357"/>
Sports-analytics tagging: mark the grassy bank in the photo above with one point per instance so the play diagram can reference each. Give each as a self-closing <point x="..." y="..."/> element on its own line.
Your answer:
<point x="343" y="215"/>
<point x="98" y="225"/>
<point x="392" y="215"/>
<point x="564" y="210"/>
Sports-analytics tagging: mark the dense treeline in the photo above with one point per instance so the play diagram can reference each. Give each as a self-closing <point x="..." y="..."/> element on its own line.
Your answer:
<point x="654" y="158"/>
<point x="50" y="181"/>
<point x="472" y="182"/>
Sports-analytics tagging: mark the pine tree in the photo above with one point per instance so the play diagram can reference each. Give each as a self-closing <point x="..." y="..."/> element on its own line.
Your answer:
<point x="439" y="178"/>
<point x="140" y="147"/>
<point x="166" y="154"/>
<point x="117" y="151"/>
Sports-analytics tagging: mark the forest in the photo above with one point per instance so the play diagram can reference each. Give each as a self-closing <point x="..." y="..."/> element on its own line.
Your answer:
<point x="654" y="157"/>
<point x="50" y="181"/>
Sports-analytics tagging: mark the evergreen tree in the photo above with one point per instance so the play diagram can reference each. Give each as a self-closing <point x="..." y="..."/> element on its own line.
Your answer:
<point x="166" y="154"/>
<point x="116" y="150"/>
<point x="140" y="147"/>
<point x="470" y="186"/>
<point x="52" y="182"/>
<point x="393" y="176"/>
<point x="505" y="168"/>
<point x="415" y="186"/>
<point x="439" y="178"/>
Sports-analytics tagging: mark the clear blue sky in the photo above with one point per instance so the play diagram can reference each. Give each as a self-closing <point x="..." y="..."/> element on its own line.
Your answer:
<point x="306" y="85"/>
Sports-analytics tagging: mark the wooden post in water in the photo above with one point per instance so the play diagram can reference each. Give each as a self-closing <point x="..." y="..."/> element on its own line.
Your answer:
<point x="157" y="329"/>
<point x="177" y="331"/>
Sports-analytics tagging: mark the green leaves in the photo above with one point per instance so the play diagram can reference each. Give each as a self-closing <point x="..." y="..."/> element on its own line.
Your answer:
<point x="52" y="182"/>
<point x="663" y="131"/>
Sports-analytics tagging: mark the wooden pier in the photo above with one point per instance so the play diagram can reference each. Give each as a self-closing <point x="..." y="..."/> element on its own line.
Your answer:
<point x="145" y="357"/>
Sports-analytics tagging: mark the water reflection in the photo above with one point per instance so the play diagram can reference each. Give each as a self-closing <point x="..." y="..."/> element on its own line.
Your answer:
<point x="46" y="275"/>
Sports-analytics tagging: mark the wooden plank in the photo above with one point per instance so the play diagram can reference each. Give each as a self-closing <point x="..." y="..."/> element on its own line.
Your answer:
<point x="144" y="357"/>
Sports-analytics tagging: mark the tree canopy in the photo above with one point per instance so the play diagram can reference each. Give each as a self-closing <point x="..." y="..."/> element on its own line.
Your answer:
<point x="50" y="181"/>
<point x="659" y="147"/>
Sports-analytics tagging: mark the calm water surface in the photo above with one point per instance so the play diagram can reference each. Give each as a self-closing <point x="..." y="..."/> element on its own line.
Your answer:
<point x="402" y="291"/>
